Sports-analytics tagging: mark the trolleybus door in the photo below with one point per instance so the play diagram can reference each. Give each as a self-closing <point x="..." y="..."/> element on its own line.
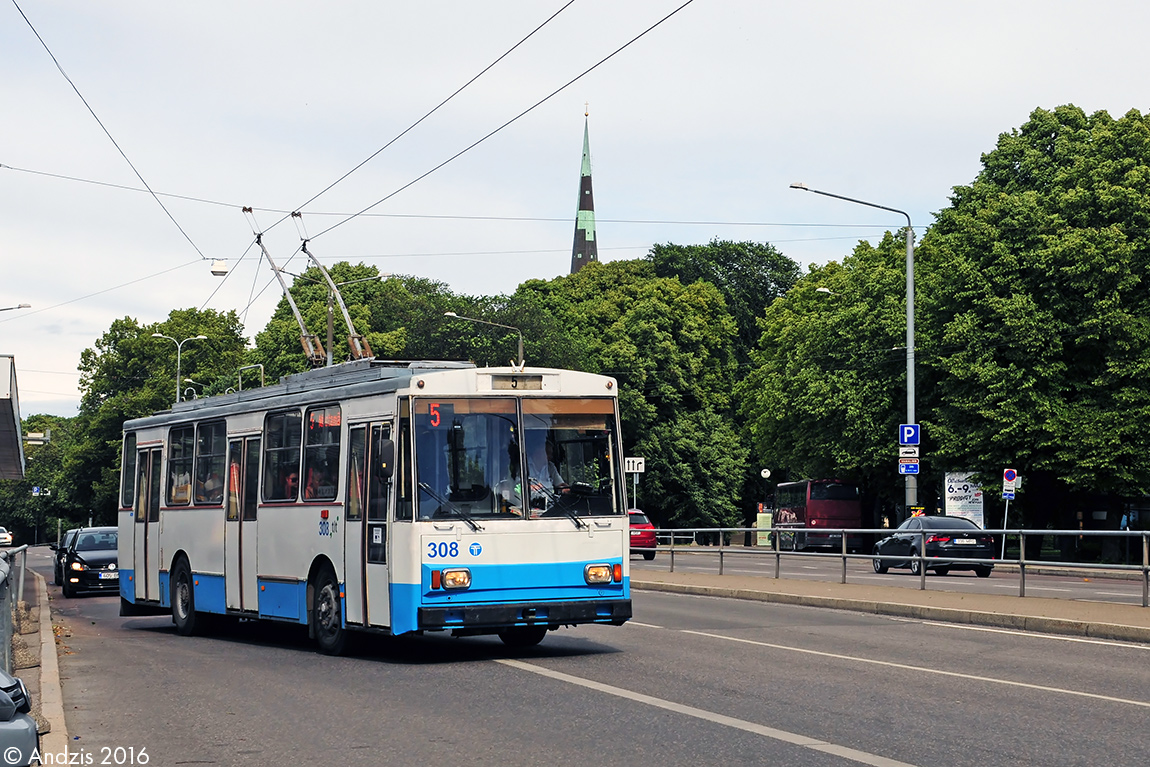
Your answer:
<point x="377" y="587"/>
<point x="240" y="527"/>
<point x="355" y="599"/>
<point x="146" y="531"/>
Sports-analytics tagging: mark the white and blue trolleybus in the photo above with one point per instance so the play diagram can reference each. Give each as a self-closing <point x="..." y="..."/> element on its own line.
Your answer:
<point x="385" y="497"/>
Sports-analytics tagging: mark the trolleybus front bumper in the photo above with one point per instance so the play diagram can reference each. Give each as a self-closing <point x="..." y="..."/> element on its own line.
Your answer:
<point x="497" y="616"/>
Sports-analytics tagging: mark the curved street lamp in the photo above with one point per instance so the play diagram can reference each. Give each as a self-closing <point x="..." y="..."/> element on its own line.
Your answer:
<point x="495" y="324"/>
<point x="179" y="349"/>
<point x="911" y="479"/>
<point x="18" y="306"/>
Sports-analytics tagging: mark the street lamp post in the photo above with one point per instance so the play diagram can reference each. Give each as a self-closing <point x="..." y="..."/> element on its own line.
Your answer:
<point x="911" y="479"/>
<point x="18" y="306"/>
<point x="495" y="324"/>
<point x="179" y="350"/>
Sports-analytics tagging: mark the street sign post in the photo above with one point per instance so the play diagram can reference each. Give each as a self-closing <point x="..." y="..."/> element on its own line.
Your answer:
<point x="635" y="466"/>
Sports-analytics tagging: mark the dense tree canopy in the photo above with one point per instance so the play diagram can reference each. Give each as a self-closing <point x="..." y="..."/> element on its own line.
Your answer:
<point x="129" y="374"/>
<point x="750" y="275"/>
<point x="827" y="389"/>
<point x="1035" y="310"/>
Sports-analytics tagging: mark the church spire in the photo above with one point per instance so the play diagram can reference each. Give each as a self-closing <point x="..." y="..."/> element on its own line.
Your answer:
<point x="585" y="248"/>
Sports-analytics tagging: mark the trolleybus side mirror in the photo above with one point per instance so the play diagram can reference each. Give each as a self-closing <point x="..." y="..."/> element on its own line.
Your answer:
<point x="386" y="457"/>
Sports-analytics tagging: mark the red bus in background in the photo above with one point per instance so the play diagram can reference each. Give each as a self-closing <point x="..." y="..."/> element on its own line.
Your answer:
<point x="813" y="504"/>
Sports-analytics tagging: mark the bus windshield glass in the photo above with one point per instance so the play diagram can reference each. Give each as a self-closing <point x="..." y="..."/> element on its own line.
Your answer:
<point x="833" y="492"/>
<point x="506" y="458"/>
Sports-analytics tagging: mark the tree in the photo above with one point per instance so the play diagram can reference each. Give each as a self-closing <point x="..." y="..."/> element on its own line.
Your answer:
<point x="131" y="374"/>
<point x="1035" y="312"/>
<point x="750" y="275"/>
<point x="33" y="518"/>
<point x="825" y="394"/>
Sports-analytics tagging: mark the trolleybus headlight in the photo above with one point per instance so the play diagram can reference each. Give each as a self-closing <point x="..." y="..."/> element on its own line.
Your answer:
<point x="456" y="579"/>
<point x="597" y="573"/>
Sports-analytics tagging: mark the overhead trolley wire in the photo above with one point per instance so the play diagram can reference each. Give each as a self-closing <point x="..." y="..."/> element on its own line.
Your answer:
<point x="514" y="119"/>
<point x="451" y="217"/>
<point x="106" y="131"/>
<point x="433" y="110"/>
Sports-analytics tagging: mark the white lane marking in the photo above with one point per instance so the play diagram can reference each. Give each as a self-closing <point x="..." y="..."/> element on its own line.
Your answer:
<point x="862" y="757"/>
<point x="634" y="622"/>
<point x="1127" y="594"/>
<point x="924" y="670"/>
<point x="1032" y="635"/>
<point x="1047" y="588"/>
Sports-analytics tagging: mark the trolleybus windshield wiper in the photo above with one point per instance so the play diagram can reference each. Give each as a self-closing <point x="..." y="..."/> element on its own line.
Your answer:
<point x="555" y="502"/>
<point x="450" y="506"/>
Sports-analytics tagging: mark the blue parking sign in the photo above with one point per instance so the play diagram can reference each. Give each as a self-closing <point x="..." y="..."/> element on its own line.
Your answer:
<point x="908" y="433"/>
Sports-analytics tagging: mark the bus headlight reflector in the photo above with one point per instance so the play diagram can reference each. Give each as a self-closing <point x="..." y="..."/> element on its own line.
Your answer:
<point x="456" y="579"/>
<point x="597" y="574"/>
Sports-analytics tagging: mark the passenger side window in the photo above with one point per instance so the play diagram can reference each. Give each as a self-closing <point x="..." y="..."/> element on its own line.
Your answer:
<point x="181" y="446"/>
<point x="282" y="436"/>
<point x="321" y="454"/>
<point x="210" y="449"/>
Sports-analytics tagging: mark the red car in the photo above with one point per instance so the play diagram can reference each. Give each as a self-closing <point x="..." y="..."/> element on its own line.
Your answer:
<point x="642" y="534"/>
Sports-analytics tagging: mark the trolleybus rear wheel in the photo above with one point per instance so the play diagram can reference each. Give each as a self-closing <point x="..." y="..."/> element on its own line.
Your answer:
<point x="330" y="634"/>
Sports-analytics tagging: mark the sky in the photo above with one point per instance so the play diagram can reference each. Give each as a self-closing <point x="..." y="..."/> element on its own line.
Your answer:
<point x="697" y="130"/>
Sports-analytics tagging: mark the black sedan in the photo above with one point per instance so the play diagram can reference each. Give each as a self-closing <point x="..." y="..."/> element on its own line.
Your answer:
<point x="90" y="562"/>
<point x="61" y="549"/>
<point x="952" y="539"/>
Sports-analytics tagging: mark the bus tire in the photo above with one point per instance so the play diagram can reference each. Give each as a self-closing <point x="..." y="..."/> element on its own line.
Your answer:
<point x="330" y="635"/>
<point x="188" y="621"/>
<point x="523" y="636"/>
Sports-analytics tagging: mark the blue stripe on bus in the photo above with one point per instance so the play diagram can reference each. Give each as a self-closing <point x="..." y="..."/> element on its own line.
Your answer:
<point x="552" y="582"/>
<point x="517" y="582"/>
<point x="208" y="593"/>
<point x="128" y="585"/>
<point x="283" y="600"/>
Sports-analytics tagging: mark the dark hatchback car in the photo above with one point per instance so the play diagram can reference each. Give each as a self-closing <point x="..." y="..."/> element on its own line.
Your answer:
<point x="61" y="549"/>
<point x="953" y="538"/>
<point x="90" y="562"/>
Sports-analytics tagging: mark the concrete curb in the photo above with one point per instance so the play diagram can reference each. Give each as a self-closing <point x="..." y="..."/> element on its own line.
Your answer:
<point x="1034" y="623"/>
<point x="51" y="695"/>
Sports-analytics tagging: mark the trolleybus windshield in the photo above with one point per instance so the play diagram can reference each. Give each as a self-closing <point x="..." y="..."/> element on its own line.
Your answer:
<point x="507" y="458"/>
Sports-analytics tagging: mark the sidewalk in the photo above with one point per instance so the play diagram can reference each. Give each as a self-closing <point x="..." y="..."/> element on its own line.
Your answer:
<point x="1098" y="620"/>
<point x="34" y="660"/>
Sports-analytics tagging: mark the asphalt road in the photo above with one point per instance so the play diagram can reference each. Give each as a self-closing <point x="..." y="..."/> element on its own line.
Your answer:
<point x="1086" y="585"/>
<point x="690" y="681"/>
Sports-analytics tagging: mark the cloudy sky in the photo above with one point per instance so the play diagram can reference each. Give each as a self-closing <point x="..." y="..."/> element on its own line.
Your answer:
<point x="698" y="128"/>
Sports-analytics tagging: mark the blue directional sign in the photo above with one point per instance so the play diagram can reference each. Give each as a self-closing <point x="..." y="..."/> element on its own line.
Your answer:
<point x="1008" y="496"/>
<point x="908" y="434"/>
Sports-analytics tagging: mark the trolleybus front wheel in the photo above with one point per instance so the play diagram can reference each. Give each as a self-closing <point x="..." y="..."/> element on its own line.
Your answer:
<point x="330" y="634"/>
<point x="523" y="636"/>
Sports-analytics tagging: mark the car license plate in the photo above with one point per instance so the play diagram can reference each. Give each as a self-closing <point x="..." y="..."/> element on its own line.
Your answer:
<point x="965" y="541"/>
<point x="108" y="576"/>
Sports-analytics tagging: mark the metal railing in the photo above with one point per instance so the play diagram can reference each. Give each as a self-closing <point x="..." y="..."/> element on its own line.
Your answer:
<point x="778" y="538"/>
<point x="12" y="563"/>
